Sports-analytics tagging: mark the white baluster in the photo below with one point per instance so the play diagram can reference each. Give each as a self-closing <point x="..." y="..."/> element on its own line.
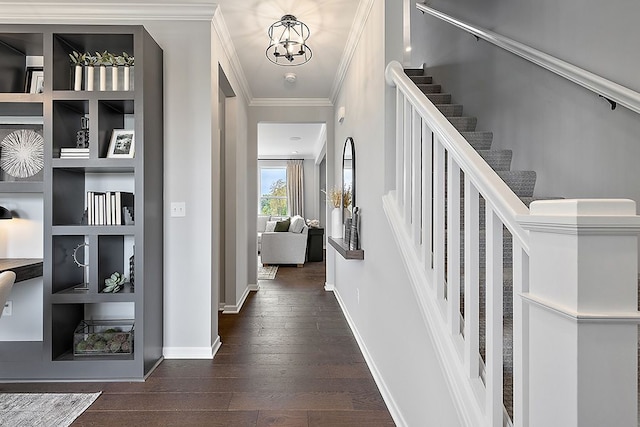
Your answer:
<point x="453" y="248"/>
<point x="471" y="274"/>
<point x="408" y="115"/>
<point x="399" y="147"/>
<point x="520" y="336"/>
<point x="438" y="217"/>
<point x="493" y="318"/>
<point x="427" y="195"/>
<point x="416" y="179"/>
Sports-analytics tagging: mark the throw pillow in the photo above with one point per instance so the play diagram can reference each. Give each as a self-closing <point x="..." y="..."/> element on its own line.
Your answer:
<point x="283" y="225"/>
<point x="271" y="226"/>
<point x="297" y="224"/>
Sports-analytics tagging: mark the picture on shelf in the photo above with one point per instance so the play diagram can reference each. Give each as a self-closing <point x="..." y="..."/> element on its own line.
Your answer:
<point x="21" y="149"/>
<point x="122" y="144"/>
<point x="34" y="80"/>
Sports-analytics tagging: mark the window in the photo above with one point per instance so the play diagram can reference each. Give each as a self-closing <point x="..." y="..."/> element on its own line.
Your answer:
<point x="273" y="191"/>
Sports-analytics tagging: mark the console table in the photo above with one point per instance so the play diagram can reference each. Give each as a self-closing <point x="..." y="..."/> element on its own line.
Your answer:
<point x="25" y="268"/>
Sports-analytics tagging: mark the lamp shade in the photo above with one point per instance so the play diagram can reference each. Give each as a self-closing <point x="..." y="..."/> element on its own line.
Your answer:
<point x="5" y="213"/>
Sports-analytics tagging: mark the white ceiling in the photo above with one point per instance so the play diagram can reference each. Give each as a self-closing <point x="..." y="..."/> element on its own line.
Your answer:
<point x="329" y="22"/>
<point x="290" y="140"/>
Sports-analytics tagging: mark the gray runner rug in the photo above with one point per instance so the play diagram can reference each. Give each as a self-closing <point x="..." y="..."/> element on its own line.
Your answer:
<point x="43" y="409"/>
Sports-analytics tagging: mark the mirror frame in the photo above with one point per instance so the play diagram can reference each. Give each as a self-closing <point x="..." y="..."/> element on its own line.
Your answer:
<point x="349" y="142"/>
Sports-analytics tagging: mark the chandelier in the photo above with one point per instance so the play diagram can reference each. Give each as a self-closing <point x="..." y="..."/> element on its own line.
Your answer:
<point x="288" y="42"/>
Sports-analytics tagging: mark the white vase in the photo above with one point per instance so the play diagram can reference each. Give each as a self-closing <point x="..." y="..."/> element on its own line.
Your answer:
<point x="89" y="82"/>
<point x="114" y="78"/>
<point x="127" y="81"/>
<point x="77" y="78"/>
<point x="336" y="223"/>
<point x="103" y="78"/>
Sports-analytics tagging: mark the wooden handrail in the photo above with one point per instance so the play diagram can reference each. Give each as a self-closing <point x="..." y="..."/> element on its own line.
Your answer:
<point x="613" y="92"/>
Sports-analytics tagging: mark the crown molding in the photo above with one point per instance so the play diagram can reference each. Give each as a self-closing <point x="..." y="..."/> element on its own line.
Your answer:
<point x="221" y="29"/>
<point x="357" y="28"/>
<point x="21" y="12"/>
<point x="291" y="102"/>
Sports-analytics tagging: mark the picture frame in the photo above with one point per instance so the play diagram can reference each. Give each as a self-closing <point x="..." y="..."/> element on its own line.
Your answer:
<point x="34" y="80"/>
<point x="122" y="144"/>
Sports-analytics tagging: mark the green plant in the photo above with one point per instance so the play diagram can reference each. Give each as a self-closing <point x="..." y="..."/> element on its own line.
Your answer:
<point x="78" y="58"/>
<point x="128" y="60"/>
<point x="91" y="60"/>
<point x="105" y="58"/>
<point x="113" y="283"/>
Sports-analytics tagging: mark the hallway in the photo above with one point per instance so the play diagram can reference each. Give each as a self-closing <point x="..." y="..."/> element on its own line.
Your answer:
<point x="288" y="359"/>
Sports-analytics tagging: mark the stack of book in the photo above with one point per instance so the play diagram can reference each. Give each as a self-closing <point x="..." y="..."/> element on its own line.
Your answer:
<point x="109" y="208"/>
<point x="74" y="153"/>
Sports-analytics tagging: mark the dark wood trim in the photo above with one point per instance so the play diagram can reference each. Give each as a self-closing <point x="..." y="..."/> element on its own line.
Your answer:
<point x="343" y="249"/>
<point x="25" y="268"/>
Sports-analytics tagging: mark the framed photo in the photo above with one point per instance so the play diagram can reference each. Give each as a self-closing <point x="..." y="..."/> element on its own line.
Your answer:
<point x="34" y="80"/>
<point x="122" y="144"/>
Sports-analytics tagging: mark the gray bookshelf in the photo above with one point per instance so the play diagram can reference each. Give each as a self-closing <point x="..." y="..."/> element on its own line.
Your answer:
<point x="64" y="184"/>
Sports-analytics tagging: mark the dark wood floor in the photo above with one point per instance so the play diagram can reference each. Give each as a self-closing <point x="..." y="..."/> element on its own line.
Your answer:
<point x="288" y="359"/>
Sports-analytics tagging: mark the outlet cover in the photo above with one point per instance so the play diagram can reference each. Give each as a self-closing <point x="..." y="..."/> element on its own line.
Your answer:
<point x="178" y="209"/>
<point x="8" y="308"/>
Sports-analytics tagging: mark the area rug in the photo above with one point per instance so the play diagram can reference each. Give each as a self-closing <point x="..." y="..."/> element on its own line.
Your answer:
<point x="267" y="273"/>
<point x="43" y="409"/>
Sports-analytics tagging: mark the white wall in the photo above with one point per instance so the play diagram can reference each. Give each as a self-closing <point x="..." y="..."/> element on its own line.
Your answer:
<point x="567" y="134"/>
<point x="375" y="292"/>
<point x="21" y="237"/>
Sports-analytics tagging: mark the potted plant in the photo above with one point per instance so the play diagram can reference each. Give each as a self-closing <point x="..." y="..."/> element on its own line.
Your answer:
<point x="104" y="59"/>
<point x="91" y="61"/>
<point x="128" y="68"/>
<point x="78" y="60"/>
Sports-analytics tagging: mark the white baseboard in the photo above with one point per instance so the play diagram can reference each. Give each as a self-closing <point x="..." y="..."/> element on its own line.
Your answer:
<point x="393" y="408"/>
<point x="329" y="287"/>
<point x="235" y="309"/>
<point x="192" y="352"/>
<point x="221" y="306"/>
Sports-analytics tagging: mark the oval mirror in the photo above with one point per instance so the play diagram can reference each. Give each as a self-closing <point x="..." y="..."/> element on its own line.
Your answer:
<point x="348" y="178"/>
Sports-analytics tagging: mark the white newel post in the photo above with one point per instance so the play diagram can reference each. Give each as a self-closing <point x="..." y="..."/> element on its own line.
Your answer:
<point x="583" y="313"/>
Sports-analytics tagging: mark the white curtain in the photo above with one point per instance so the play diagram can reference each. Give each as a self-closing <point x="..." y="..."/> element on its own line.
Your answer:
<point x="295" y="187"/>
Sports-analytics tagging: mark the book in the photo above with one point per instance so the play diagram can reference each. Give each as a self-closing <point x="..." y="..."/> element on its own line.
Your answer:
<point x="74" y="150"/>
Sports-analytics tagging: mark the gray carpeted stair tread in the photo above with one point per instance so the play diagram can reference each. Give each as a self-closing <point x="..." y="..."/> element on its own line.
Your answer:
<point x="499" y="160"/>
<point x="520" y="182"/>
<point x="422" y="79"/>
<point x="439" y="98"/>
<point x="430" y="88"/>
<point x="464" y="124"/>
<point x="479" y="140"/>
<point x="450" y="110"/>
<point x="414" y="71"/>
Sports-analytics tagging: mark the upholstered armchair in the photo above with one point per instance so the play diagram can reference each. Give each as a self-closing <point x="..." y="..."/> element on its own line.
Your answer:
<point x="285" y="247"/>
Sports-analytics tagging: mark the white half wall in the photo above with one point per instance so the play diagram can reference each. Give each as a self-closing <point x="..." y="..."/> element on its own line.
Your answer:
<point x="375" y="293"/>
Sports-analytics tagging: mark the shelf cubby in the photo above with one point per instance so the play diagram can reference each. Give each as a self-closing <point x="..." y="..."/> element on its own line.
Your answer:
<point x="113" y="114"/>
<point x="66" y="43"/>
<point x="15" y="48"/>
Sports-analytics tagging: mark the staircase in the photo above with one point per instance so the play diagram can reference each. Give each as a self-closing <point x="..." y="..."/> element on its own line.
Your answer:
<point x="520" y="182"/>
<point x="511" y="294"/>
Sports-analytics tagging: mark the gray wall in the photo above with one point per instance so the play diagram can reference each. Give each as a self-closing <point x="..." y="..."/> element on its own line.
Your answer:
<point x="568" y="135"/>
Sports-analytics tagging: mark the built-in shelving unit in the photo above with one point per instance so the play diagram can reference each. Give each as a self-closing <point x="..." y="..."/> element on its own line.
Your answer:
<point x="56" y="114"/>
